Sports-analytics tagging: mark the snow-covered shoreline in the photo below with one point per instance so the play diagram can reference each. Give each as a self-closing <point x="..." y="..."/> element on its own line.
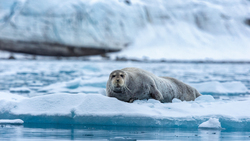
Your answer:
<point x="6" y="55"/>
<point x="101" y="110"/>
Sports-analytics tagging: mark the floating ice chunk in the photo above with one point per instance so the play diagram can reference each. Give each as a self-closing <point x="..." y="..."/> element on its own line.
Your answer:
<point x="11" y="121"/>
<point x="212" y="123"/>
<point x="36" y="84"/>
<point x="175" y="100"/>
<point x="73" y="84"/>
<point x="205" y="98"/>
<point x="217" y="87"/>
<point x="122" y="139"/>
<point x="20" y="90"/>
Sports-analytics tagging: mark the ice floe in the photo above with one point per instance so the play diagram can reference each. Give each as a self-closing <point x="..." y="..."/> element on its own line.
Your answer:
<point x="97" y="109"/>
<point x="20" y="90"/>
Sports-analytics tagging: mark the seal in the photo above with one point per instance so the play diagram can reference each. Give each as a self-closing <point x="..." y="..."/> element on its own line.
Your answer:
<point x="131" y="84"/>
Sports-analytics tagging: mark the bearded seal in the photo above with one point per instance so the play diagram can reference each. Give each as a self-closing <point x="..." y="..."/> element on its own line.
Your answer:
<point x="131" y="84"/>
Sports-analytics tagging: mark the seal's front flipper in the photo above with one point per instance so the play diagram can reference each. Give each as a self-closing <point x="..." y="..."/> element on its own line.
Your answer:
<point x="131" y="100"/>
<point x="156" y="94"/>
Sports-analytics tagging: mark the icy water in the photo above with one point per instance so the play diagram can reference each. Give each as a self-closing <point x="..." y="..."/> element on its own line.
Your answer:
<point x="37" y="78"/>
<point x="37" y="132"/>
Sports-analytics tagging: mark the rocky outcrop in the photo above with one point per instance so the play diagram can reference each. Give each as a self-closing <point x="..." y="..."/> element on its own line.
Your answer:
<point x="50" y="49"/>
<point x="64" y="28"/>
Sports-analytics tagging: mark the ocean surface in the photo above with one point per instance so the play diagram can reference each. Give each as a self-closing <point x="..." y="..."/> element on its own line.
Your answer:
<point x="37" y="132"/>
<point x="34" y="79"/>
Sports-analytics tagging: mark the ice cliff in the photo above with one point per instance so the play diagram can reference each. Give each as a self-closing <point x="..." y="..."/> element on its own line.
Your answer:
<point x="154" y="29"/>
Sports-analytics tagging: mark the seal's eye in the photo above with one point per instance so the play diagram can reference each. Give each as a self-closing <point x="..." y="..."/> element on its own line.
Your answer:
<point x="113" y="76"/>
<point x="122" y="75"/>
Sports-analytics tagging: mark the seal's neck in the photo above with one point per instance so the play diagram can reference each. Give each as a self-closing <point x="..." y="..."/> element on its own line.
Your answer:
<point x="117" y="90"/>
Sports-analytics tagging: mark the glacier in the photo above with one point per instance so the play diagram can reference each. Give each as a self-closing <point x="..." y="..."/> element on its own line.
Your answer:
<point x="96" y="109"/>
<point x="142" y="29"/>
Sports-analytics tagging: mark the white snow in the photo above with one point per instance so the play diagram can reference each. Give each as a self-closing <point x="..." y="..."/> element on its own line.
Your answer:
<point x="10" y="97"/>
<point x="212" y="123"/>
<point x="220" y="87"/>
<point x="101" y="110"/>
<point x="175" y="100"/>
<point x="11" y="121"/>
<point x="152" y="29"/>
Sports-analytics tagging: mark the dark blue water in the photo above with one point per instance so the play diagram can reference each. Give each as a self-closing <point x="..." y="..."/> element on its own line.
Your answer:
<point x="112" y="133"/>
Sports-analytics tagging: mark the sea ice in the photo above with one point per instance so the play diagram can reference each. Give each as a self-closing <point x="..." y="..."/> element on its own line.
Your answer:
<point x="97" y="109"/>
<point x="205" y="98"/>
<point x="11" y="121"/>
<point x="212" y="123"/>
<point x="220" y="87"/>
<point x="175" y="100"/>
<point x="20" y="90"/>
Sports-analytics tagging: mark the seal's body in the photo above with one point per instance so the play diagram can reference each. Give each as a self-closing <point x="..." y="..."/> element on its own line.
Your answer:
<point x="130" y="84"/>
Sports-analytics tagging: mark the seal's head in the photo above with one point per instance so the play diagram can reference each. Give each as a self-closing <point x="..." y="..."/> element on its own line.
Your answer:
<point x="117" y="79"/>
<point x="117" y="86"/>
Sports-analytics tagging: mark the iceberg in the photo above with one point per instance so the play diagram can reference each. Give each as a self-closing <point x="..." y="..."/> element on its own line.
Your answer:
<point x="96" y="109"/>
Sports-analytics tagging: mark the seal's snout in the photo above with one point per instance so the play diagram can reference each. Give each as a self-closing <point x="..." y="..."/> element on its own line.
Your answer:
<point x="117" y="80"/>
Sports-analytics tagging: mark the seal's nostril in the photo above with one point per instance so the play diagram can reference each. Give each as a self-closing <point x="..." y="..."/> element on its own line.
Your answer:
<point x="117" y="80"/>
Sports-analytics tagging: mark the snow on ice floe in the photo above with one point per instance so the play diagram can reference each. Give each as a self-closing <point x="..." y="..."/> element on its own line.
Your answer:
<point x="101" y="110"/>
<point x="220" y="87"/>
<point x="11" y="121"/>
<point x="212" y="123"/>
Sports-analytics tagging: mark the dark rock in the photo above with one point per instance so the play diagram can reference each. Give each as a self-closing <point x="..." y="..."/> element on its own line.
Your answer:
<point x="50" y="49"/>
